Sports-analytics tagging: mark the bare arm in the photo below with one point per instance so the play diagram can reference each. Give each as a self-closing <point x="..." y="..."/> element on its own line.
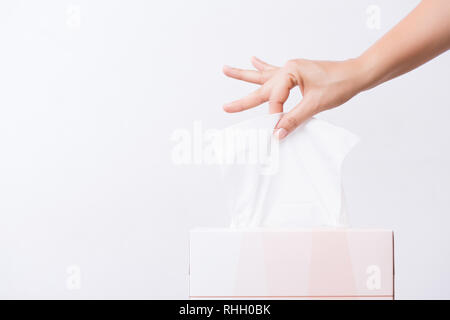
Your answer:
<point x="418" y="38"/>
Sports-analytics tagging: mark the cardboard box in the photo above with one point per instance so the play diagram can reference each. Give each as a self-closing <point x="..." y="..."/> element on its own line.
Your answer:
<point x="297" y="264"/>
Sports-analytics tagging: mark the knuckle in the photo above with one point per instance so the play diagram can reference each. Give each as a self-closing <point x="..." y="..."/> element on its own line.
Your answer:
<point x="290" y="122"/>
<point x="291" y="72"/>
<point x="290" y="64"/>
<point x="240" y="74"/>
<point x="262" y="93"/>
<point x="263" y="77"/>
<point x="236" y="72"/>
<point x="261" y="99"/>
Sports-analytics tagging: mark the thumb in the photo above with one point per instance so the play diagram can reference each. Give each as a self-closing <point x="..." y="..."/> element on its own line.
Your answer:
<point x="291" y="120"/>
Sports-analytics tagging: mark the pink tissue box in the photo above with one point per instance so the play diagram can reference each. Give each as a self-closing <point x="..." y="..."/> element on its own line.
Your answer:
<point x="298" y="263"/>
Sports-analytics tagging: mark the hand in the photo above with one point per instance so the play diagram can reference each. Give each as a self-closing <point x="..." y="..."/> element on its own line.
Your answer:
<point x="323" y="84"/>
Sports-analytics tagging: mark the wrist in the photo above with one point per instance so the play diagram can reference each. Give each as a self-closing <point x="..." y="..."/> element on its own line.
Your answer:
<point x="363" y="73"/>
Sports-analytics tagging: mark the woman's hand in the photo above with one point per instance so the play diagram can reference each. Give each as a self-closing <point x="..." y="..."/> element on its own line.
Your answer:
<point x="419" y="37"/>
<point x="323" y="84"/>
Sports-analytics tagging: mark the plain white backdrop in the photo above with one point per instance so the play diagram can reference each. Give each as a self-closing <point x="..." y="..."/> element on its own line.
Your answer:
<point x="91" y="204"/>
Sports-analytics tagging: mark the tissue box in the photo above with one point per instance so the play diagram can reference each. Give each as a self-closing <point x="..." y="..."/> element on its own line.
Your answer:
<point x="297" y="264"/>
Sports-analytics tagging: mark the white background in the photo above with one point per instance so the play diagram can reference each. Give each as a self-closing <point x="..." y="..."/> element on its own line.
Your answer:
<point x="88" y="104"/>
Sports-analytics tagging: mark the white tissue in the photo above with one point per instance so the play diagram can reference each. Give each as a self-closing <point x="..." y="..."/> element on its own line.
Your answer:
<point x="292" y="183"/>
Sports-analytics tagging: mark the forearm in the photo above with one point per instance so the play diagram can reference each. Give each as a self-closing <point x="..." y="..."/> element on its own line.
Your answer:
<point x="418" y="38"/>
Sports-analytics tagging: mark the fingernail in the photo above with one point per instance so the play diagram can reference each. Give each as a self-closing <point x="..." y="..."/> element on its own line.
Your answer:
<point x="280" y="133"/>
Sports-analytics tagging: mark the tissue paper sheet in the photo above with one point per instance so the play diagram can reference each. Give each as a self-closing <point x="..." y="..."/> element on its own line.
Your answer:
<point x="295" y="182"/>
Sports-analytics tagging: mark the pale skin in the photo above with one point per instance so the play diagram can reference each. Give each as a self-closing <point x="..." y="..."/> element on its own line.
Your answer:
<point x="418" y="38"/>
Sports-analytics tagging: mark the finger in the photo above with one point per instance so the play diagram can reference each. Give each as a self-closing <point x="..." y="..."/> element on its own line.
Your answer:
<point x="261" y="65"/>
<point x="252" y="100"/>
<point x="275" y="106"/>
<point x="278" y="97"/>
<point x="291" y="120"/>
<point x="245" y="75"/>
